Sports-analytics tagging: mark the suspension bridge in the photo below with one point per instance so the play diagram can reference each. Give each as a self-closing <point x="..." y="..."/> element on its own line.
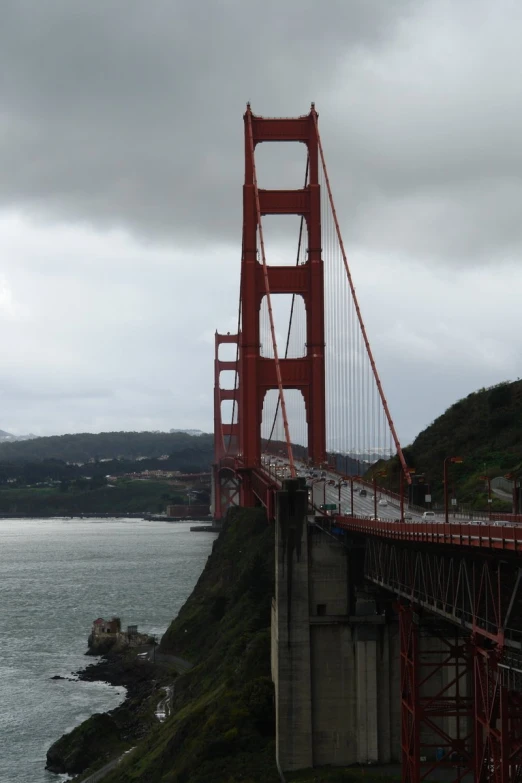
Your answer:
<point x="382" y="618"/>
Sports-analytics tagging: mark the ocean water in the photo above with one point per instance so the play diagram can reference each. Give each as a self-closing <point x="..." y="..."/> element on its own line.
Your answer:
<point x="56" y="577"/>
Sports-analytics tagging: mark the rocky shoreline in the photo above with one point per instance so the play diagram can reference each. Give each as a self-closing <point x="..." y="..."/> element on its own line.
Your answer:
<point x="215" y="722"/>
<point x="105" y="735"/>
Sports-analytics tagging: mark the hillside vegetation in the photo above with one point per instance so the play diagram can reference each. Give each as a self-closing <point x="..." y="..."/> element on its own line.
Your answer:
<point x="89" y="474"/>
<point x="222" y="726"/>
<point x="129" y="497"/>
<point x="85" y="446"/>
<point x="485" y="429"/>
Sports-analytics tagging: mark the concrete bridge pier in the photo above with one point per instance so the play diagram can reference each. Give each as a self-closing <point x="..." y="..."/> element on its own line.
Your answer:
<point x="291" y="631"/>
<point x="335" y="658"/>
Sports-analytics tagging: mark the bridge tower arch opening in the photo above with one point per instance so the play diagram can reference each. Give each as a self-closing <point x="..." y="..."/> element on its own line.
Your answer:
<point x="272" y="430"/>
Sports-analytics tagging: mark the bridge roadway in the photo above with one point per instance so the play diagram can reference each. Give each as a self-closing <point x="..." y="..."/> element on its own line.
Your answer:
<point x="325" y="492"/>
<point x="460" y="679"/>
<point x="324" y="484"/>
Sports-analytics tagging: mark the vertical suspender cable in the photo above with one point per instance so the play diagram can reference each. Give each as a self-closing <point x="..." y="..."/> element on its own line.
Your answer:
<point x="358" y="311"/>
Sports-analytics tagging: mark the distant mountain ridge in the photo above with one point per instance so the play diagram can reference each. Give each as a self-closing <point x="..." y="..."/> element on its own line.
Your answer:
<point x="86" y="446"/>
<point x="8" y="437"/>
<point x="189" y="432"/>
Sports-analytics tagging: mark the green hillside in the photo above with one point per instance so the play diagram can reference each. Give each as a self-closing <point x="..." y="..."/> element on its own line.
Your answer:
<point x="485" y="429"/>
<point x="85" y="446"/>
<point x="127" y="497"/>
<point x="222" y="722"/>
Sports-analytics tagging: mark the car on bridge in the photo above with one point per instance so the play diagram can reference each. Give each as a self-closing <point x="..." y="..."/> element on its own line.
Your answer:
<point x="362" y="493"/>
<point x="383" y="502"/>
<point x="429" y="516"/>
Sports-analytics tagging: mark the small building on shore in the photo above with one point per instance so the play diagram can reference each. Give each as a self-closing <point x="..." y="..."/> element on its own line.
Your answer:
<point x="107" y="635"/>
<point x="101" y="626"/>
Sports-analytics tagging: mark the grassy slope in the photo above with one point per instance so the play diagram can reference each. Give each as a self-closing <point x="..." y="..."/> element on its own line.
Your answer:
<point x="484" y="429"/>
<point x="222" y="728"/>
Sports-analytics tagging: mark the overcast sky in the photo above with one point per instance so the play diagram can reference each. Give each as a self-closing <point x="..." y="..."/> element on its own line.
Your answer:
<point x="121" y="160"/>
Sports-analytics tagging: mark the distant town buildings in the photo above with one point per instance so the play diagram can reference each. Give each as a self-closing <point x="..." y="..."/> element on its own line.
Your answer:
<point x="194" y="511"/>
<point x="154" y="475"/>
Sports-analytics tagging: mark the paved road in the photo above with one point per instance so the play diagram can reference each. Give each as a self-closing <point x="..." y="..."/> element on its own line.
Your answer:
<point x="103" y="771"/>
<point x="363" y="504"/>
<point x="181" y="665"/>
<point x="388" y="507"/>
<point x="163" y="708"/>
<point x="502" y="494"/>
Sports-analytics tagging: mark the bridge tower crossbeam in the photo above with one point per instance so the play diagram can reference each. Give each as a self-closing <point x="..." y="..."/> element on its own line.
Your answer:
<point x="225" y="482"/>
<point x="259" y="374"/>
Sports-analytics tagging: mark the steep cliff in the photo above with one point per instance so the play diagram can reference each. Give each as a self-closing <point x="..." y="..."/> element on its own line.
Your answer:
<point x="103" y="736"/>
<point x="221" y="726"/>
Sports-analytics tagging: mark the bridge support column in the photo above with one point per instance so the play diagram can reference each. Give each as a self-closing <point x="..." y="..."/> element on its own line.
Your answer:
<point x="436" y="698"/>
<point x="366" y="685"/>
<point x="335" y="670"/>
<point x="498" y="719"/>
<point x="291" y="631"/>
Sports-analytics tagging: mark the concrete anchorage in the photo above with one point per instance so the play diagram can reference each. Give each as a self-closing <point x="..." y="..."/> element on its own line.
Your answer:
<point x="335" y="657"/>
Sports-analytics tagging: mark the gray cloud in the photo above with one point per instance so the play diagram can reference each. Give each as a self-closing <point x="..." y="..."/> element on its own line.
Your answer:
<point x="130" y="115"/>
<point x="119" y="114"/>
<point x="121" y="150"/>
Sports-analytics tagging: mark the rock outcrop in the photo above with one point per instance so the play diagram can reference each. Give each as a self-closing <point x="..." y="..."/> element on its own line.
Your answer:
<point x="95" y="739"/>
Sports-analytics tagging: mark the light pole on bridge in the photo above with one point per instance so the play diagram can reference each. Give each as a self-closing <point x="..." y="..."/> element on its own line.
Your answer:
<point x="342" y="483"/>
<point x="401" y="489"/>
<point x="375" y="475"/>
<point x="313" y="483"/>
<point x="514" y="476"/>
<point x="455" y="460"/>
<point x="351" y="479"/>
<point x="488" y="481"/>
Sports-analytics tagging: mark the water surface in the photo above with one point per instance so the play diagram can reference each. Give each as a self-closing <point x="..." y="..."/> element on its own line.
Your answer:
<point x="57" y="576"/>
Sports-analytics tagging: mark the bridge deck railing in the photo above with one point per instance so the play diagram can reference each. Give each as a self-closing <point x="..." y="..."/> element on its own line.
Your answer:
<point x="482" y="535"/>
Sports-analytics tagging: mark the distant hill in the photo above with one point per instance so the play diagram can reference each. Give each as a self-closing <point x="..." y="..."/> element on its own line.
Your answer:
<point x="189" y="432"/>
<point x="8" y="437"/>
<point x="485" y="429"/>
<point x="83" y="447"/>
<point x="347" y="464"/>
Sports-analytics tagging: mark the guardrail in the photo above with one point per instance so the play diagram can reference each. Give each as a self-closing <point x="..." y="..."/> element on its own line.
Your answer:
<point x="482" y="534"/>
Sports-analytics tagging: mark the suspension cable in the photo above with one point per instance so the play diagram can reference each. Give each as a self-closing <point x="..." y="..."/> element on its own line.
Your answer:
<point x="269" y="303"/>
<point x="357" y="309"/>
